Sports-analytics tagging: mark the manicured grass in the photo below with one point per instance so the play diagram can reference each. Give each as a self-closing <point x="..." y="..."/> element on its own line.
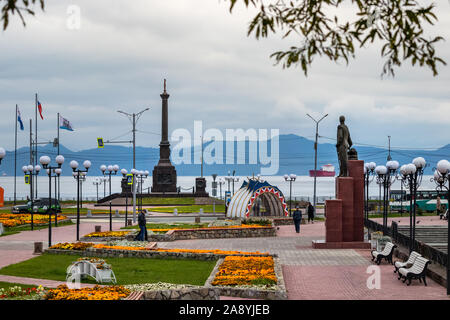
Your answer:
<point x="168" y="201"/>
<point x="127" y="270"/>
<point x="207" y="208"/>
<point x="17" y="229"/>
<point x="6" y="285"/>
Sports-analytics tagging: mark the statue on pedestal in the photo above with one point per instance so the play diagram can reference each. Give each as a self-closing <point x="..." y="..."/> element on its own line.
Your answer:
<point x="344" y="142"/>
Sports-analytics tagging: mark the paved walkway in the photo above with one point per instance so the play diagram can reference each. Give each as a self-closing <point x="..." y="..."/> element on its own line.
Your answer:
<point x="308" y="273"/>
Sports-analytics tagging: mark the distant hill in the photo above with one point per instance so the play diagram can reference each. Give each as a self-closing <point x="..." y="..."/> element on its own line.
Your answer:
<point x="296" y="155"/>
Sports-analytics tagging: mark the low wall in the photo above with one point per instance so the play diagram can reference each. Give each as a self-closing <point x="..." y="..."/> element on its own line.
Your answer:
<point x="216" y="233"/>
<point x="182" y="294"/>
<point x="252" y="293"/>
<point x="286" y="221"/>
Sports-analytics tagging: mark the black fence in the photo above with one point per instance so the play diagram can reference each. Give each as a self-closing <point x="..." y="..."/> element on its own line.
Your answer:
<point x="402" y="239"/>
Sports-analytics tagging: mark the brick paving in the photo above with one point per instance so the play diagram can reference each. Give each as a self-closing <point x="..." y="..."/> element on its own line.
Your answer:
<point x="308" y="273"/>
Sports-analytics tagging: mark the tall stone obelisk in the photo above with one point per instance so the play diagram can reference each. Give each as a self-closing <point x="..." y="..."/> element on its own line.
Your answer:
<point x="164" y="173"/>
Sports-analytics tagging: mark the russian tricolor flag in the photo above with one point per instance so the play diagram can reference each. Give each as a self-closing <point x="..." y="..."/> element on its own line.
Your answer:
<point x="40" y="110"/>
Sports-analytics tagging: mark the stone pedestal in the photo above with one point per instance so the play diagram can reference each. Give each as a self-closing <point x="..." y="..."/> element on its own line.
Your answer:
<point x="345" y="216"/>
<point x="200" y="186"/>
<point x="38" y="248"/>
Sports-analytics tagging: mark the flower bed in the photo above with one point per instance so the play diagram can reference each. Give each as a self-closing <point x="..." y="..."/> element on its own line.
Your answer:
<point x="107" y="234"/>
<point x="14" y="220"/>
<point x="130" y="247"/>
<point x="62" y="292"/>
<point x="238" y="271"/>
<point x="19" y="293"/>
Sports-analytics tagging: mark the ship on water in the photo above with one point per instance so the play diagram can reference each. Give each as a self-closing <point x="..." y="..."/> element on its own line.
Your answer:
<point x="325" y="171"/>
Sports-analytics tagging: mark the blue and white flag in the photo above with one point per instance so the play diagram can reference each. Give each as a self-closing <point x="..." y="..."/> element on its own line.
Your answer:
<point x="19" y="119"/>
<point x="65" y="124"/>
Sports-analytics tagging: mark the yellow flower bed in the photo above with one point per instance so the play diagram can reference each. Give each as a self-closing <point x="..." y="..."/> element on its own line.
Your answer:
<point x="72" y="246"/>
<point x="209" y="228"/>
<point x="235" y="271"/>
<point x="13" y="220"/>
<point x="106" y="234"/>
<point x="222" y="252"/>
<point x="62" y="292"/>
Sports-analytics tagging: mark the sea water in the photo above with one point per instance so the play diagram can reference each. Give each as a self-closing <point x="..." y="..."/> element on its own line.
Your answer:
<point x="302" y="188"/>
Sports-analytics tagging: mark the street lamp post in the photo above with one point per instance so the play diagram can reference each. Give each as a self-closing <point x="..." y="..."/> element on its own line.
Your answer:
<point x="369" y="169"/>
<point x="124" y="173"/>
<point x="290" y="178"/>
<point x="56" y="174"/>
<point x="220" y="182"/>
<point x="45" y="162"/>
<point x="392" y="167"/>
<point x="31" y="171"/>
<point x="77" y="172"/>
<point x="112" y="170"/>
<point x="315" y="157"/>
<point x="141" y="175"/>
<point x="96" y="183"/>
<point x="442" y="176"/>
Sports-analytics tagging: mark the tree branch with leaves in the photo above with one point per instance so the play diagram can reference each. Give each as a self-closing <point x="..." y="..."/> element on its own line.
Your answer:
<point x="20" y="7"/>
<point x="398" y="25"/>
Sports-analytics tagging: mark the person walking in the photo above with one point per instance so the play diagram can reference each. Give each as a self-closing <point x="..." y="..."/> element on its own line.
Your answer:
<point x="142" y="235"/>
<point x="297" y="216"/>
<point x="310" y="212"/>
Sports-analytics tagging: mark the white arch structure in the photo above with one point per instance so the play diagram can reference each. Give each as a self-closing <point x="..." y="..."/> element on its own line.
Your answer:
<point x="242" y="201"/>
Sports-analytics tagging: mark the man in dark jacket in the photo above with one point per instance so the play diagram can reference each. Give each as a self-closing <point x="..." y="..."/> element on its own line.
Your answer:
<point x="142" y="235"/>
<point x="297" y="216"/>
<point x="310" y="212"/>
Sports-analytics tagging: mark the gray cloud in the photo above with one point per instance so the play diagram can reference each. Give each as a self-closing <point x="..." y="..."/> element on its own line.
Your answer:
<point x="215" y="73"/>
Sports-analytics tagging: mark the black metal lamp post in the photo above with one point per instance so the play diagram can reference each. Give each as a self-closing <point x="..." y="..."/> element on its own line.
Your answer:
<point x="31" y="171"/>
<point x="420" y="165"/>
<point x="369" y="169"/>
<point x="45" y="162"/>
<point x="112" y="170"/>
<point x="441" y="177"/>
<point x="77" y="173"/>
<point x="96" y="183"/>
<point x="381" y="172"/>
<point x="141" y="175"/>
<point x="124" y="174"/>
<point x="290" y="178"/>
<point x="392" y="167"/>
<point x="57" y="172"/>
<point x="220" y="182"/>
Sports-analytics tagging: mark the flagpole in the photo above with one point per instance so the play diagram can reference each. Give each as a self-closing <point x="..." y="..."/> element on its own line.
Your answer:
<point x="36" y="140"/>
<point x="15" y="159"/>
<point x="57" y="128"/>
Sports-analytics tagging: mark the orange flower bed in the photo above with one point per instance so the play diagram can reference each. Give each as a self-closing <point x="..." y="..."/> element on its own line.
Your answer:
<point x="222" y="252"/>
<point x="62" y="292"/>
<point x="209" y="228"/>
<point x="107" y="234"/>
<point x="72" y="246"/>
<point x="235" y="271"/>
<point x="13" y="220"/>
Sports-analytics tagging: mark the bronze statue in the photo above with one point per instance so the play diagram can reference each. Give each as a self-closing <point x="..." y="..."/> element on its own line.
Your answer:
<point x="344" y="142"/>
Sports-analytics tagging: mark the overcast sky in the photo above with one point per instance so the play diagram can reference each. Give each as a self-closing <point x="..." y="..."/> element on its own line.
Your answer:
<point x="123" y="50"/>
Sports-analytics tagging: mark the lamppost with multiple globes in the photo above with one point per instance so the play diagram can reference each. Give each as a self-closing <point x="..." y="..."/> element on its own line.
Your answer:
<point x="112" y="170"/>
<point x="290" y="178"/>
<point x="442" y="177"/>
<point x="77" y="174"/>
<point x="82" y="178"/>
<point x="141" y="175"/>
<point x="96" y="183"/>
<point x="30" y="172"/>
<point x="369" y="171"/>
<point x="56" y="173"/>
<point x="220" y="182"/>
<point x="385" y="177"/>
<point x="45" y="162"/>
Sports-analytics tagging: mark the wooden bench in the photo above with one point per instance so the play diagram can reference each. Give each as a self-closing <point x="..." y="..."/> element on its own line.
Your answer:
<point x="135" y="295"/>
<point x="417" y="271"/>
<point x="385" y="254"/>
<point x="408" y="263"/>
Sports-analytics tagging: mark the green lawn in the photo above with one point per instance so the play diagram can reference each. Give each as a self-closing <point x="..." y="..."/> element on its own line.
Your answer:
<point x="127" y="270"/>
<point x="6" y="285"/>
<point x="207" y="208"/>
<point x="168" y="201"/>
<point x="17" y="229"/>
